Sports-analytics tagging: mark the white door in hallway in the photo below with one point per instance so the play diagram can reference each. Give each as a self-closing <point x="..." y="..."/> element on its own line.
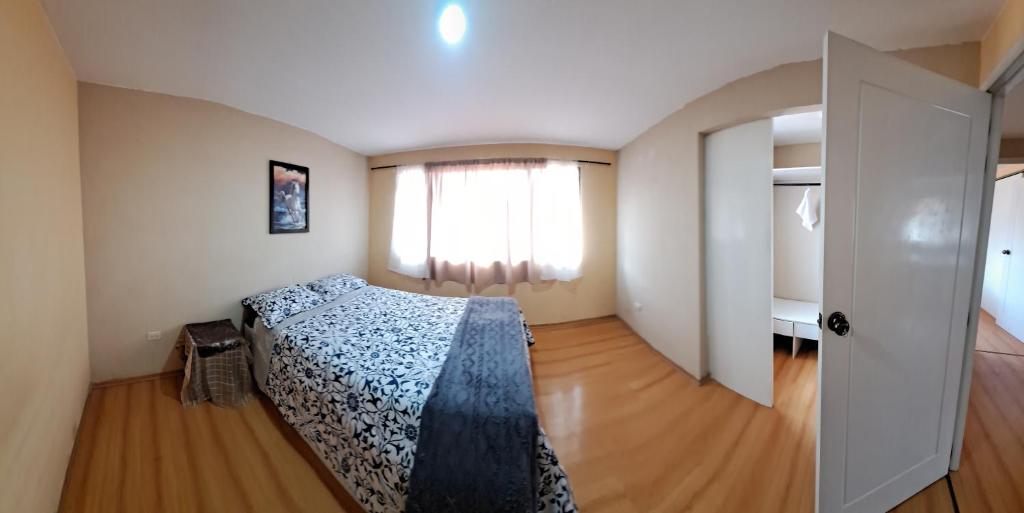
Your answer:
<point x="1000" y="238"/>
<point x="738" y="258"/>
<point x="1011" y="316"/>
<point x="904" y="161"/>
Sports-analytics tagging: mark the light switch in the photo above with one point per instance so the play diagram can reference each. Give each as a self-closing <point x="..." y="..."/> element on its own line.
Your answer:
<point x="152" y="335"/>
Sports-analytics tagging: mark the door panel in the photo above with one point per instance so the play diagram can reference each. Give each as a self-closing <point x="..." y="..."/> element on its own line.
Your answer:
<point x="738" y="257"/>
<point x="912" y="243"/>
<point x="904" y="168"/>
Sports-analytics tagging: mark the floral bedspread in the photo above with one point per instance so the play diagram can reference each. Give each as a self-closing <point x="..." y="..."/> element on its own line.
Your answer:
<point x="353" y="381"/>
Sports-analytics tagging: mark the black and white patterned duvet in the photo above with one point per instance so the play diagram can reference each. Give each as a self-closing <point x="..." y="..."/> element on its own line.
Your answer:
<point x="353" y="381"/>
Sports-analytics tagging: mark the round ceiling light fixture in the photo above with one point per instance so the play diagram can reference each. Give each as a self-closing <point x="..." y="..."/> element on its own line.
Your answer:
<point x="452" y="24"/>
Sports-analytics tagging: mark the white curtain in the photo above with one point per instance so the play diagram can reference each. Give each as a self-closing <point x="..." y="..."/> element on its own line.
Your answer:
<point x="557" y="221"/>
<point x="486" y="222"/>
<point x="409" y="227"/>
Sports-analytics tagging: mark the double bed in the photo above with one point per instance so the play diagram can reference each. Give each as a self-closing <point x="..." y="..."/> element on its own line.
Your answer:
<point x="353" y="374"/>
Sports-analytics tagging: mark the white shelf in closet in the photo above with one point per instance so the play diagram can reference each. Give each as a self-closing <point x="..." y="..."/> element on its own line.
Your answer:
<point x="796" y="174"/>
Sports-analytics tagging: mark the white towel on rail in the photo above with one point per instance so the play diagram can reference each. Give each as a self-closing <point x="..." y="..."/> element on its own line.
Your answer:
<point x="808" y="210"/>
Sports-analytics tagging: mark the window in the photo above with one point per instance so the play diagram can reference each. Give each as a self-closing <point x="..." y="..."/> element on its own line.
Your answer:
<point x="486" y="222"/>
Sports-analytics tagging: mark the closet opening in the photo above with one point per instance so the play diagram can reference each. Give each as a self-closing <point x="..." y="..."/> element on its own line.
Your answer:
<point x="796" y="249"/>
<point x="763" y="238"/>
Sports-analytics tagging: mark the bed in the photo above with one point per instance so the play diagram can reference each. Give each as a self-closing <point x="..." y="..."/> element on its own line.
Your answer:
<point x="797" y="319"/>
<point x="352" y="376"/>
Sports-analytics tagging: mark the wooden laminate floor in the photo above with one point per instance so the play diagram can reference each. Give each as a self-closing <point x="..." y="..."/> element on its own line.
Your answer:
<point x="993" y="339"/>
<point x="634" y="432"/>
<point x="637" y="435"/>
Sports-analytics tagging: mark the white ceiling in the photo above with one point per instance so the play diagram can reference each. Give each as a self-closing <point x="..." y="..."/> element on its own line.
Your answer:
<point x="376" y="77"/>
<point x="797" y="128"/>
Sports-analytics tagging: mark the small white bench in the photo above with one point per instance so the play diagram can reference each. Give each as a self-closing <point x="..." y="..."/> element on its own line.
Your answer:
<point x="797" y="319"/>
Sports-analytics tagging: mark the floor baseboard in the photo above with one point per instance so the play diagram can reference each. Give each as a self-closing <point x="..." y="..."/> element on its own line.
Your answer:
<point x="136" y="379"/>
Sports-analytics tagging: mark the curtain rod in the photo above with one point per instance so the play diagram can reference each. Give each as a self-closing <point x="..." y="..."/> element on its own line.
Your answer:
<point x="795" y="184"/>
<point x="577" y="161"/>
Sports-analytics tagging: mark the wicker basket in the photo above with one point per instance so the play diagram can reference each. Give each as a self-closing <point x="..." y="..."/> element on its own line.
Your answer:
<point x="217" y="361"/>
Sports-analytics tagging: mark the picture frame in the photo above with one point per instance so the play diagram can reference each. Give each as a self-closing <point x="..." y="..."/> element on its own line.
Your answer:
<point x="289" y="198"/>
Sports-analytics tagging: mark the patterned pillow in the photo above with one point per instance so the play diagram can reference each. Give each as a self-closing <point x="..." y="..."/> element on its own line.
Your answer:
<point x="333" y="286"/>
<point x="277" y="305"/>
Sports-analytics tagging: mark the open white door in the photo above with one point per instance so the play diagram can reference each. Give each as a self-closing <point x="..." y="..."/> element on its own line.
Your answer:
<point x="738" y="257"/>
<point x="904" y="161"/>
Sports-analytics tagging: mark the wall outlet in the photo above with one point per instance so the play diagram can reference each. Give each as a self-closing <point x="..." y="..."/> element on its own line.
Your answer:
<point x="153" y="335"/>
<point x="637" y="306"/>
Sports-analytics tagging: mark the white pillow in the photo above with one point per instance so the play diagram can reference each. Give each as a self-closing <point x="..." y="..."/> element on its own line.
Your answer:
<point x="277" y="305"/>
<point x="335" y="285"/>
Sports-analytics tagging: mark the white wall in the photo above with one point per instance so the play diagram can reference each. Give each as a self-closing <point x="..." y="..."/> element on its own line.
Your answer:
<point x="797" y="263"/>
<point x="175" y="195"/>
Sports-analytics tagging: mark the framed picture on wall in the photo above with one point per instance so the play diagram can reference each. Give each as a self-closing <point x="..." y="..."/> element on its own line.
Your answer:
<point x="289" y="198"/>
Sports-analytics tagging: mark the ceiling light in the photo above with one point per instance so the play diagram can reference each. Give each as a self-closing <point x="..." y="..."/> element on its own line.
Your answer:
<point x="452" y="24"/>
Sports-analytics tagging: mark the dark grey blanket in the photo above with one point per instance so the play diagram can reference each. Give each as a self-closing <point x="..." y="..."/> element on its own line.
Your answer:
<point x="478" y="431"/>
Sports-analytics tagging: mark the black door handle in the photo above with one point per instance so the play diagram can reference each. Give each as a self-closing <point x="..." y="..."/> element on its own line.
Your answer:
<point x="838" y="324"/>
<point x="1006" y="252"/>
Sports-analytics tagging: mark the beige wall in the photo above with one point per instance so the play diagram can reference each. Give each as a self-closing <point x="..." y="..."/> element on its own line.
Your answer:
<point x="44" y="367"/>
<point x="660" y="214"/>
<point x="797" y="155"/>
<point x="1011" y="149"/>
<point x="1003" y="40"/>
<point x="175" y="195"/>
<point x="592" y="295"/>
<point x="795" y="264"/>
